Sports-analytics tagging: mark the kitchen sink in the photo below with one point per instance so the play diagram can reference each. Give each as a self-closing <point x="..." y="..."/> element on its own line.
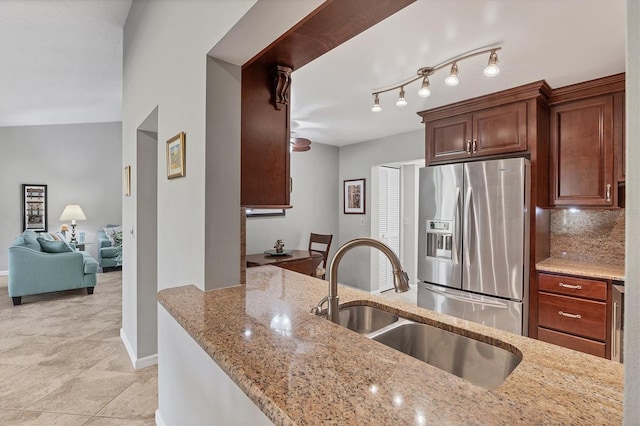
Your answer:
<point x="478" y="362"/>
<point x="365" y="319"/>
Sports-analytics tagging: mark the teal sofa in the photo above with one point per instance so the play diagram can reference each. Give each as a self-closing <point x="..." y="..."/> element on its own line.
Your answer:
<point x="36" y="266"/>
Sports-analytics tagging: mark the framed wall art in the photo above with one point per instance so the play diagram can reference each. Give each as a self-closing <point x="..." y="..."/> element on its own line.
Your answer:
<point x="126" y="183"/>
<point x="34" y="207"/>
<point x="354" y="196"/>
<point x="176" y="160"/>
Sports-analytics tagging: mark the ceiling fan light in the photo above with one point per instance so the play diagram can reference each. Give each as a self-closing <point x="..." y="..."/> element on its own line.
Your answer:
<point x="452" y="79"/>
<point x="376" y="104"/>
<point x="401" y="100"/>
<point x="492" y="68"/>
<point x="424" y="91"/>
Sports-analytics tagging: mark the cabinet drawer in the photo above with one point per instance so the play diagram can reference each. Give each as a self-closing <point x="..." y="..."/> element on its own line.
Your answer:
<point x="585" y="318"/>
<point x="580" y="287"/>
<point x="572" y="342"/>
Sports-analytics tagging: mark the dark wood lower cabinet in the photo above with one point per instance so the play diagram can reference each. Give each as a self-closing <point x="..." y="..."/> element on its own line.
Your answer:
<point x="573" y="312"/>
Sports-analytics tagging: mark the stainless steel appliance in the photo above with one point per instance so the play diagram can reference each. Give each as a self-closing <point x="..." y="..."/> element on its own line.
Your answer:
<point x="617" y="321"/>
<point x="473" y="246"/>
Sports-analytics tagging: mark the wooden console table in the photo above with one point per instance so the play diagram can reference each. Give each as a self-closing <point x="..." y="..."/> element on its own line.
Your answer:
<point x="303" y="261"/>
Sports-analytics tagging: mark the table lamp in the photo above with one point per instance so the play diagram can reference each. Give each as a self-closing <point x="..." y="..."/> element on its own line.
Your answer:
<point x="72" y="212"/>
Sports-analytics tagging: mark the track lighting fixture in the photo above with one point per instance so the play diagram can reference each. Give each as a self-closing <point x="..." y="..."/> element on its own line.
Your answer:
<point x="452" y="79"/>
<point x="401" y="100"/>
<point x="424" y="91"/>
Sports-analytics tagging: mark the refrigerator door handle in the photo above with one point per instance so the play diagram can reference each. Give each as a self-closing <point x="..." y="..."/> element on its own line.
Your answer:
<point x="456" y="219"/>
<point x="467" y="299"/>
<point x="465" y="227"/>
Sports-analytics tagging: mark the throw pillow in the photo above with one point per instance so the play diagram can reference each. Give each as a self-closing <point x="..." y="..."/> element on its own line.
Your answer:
<point x="110" y="231"/>
<point x="54" y="246"/>
<point x="31" y="242"/>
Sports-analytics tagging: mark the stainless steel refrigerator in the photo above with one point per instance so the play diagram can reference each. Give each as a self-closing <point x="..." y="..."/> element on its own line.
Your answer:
<point x="473" y="246"/>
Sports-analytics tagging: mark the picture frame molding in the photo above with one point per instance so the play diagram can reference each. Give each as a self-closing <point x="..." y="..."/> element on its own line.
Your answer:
<point x="127" y="181"/>
<point x="361" y="207"/>
<point x="178" y="140"/>
<point x="26" y="217"/>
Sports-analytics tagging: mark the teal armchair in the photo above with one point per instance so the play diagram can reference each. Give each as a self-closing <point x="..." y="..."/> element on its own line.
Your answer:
<point x="34" y="271"/>
<point x="109" y="255"/>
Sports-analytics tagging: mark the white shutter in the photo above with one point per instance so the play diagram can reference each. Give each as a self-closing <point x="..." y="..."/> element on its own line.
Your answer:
<point x="389" y="222"/>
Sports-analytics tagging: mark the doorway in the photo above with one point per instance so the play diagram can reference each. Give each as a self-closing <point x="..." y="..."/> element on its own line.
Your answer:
<point x="388" y="221"/>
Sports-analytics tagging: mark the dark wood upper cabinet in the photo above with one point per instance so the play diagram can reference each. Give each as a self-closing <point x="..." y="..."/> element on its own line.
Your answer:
<point x="582" y="160"/>
<point x="587" y="143"/>
<point x="494" y="125"/>
<point x="500" y="130"/>
<point x="447" y="138"/>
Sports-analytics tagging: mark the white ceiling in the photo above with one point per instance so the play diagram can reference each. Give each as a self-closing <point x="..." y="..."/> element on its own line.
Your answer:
<point x="560" y="41"/>
<point x="61" y="60"/>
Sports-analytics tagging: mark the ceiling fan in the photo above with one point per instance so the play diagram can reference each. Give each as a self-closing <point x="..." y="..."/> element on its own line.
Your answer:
<point x="300" y="144"/>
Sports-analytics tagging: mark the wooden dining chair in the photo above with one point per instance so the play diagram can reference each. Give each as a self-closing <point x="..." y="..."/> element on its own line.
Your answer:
<point x="320" y="243"/>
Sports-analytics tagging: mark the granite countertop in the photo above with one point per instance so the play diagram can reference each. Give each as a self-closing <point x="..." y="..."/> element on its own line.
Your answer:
<point x="301" y="369"/>
<point x="585" y="269"/>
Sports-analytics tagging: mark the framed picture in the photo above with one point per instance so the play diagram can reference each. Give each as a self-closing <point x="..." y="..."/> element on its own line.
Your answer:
<point x="176" y="160"/>
<point x="34" y="207"/>
<point x="126" y="182"/>
<point x="264" y="212"/>
<point x="354" y="192"/>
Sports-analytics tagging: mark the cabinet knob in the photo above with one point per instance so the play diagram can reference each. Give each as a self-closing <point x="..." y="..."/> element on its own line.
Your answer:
<point x="469" y="146"/>
<point x="475" y="143"/>
<point x="608" y="192"/>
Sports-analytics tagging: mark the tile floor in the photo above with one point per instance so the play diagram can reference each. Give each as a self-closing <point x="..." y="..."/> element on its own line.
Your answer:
<point x="62" y="361"/>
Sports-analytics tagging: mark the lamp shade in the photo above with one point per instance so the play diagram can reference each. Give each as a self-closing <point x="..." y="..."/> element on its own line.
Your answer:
<point x="72" y="212"/>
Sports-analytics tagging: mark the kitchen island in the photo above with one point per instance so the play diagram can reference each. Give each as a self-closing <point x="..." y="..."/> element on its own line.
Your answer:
<point x="298" y="368"/>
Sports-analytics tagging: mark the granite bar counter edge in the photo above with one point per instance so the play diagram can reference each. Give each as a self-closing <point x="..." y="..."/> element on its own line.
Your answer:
<point x="302" y="369"/>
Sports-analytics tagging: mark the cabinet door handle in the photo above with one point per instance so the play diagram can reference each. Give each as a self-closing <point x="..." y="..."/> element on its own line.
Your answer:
<point x="574" y="287"/>
<point x="469" y="147"/>
<point x="609" y="192"/>
<point x="475" y="142"/>
<point x="565" y="314"/>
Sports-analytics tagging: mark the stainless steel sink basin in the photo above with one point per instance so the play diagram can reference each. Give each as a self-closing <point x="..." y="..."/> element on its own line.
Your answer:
<point x="480" y="363"/>
<point x="365" y="319"/>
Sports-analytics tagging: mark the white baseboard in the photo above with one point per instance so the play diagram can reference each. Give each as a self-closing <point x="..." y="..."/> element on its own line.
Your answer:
<point x="3" y="273"/>
<point x="135" y="361"/>
<point x="159" y="420"/>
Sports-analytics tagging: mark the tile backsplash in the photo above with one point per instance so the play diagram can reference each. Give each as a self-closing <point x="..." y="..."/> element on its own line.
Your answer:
<point x="588" y="235"/>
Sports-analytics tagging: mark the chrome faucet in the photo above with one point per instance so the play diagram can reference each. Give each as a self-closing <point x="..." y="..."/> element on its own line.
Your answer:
<point x="400" y="278"/>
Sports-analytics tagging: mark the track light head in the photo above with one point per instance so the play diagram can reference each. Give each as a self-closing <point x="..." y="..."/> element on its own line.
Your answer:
<point x="401" y="100"/>
<point x="376" y="104"/>
<point x="492" y="68"/>
<point x="424" y="91"/>
<point x="452" y="79"/>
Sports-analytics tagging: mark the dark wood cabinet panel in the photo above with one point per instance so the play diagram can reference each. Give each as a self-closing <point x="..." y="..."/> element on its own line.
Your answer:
<point x="585" y="318"/>
<point x="576" y="343"/>
<point x="265" y="109"/>
<point x="500" y="130"/>
<point x="582" y="146"/>
<point x="573" y="286"/>
<point x="449" y="138"/>
<point x="618" y="134"/>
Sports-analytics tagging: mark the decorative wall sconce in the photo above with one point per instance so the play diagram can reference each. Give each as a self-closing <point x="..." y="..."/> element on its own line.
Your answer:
<point x="424" y="73"/>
